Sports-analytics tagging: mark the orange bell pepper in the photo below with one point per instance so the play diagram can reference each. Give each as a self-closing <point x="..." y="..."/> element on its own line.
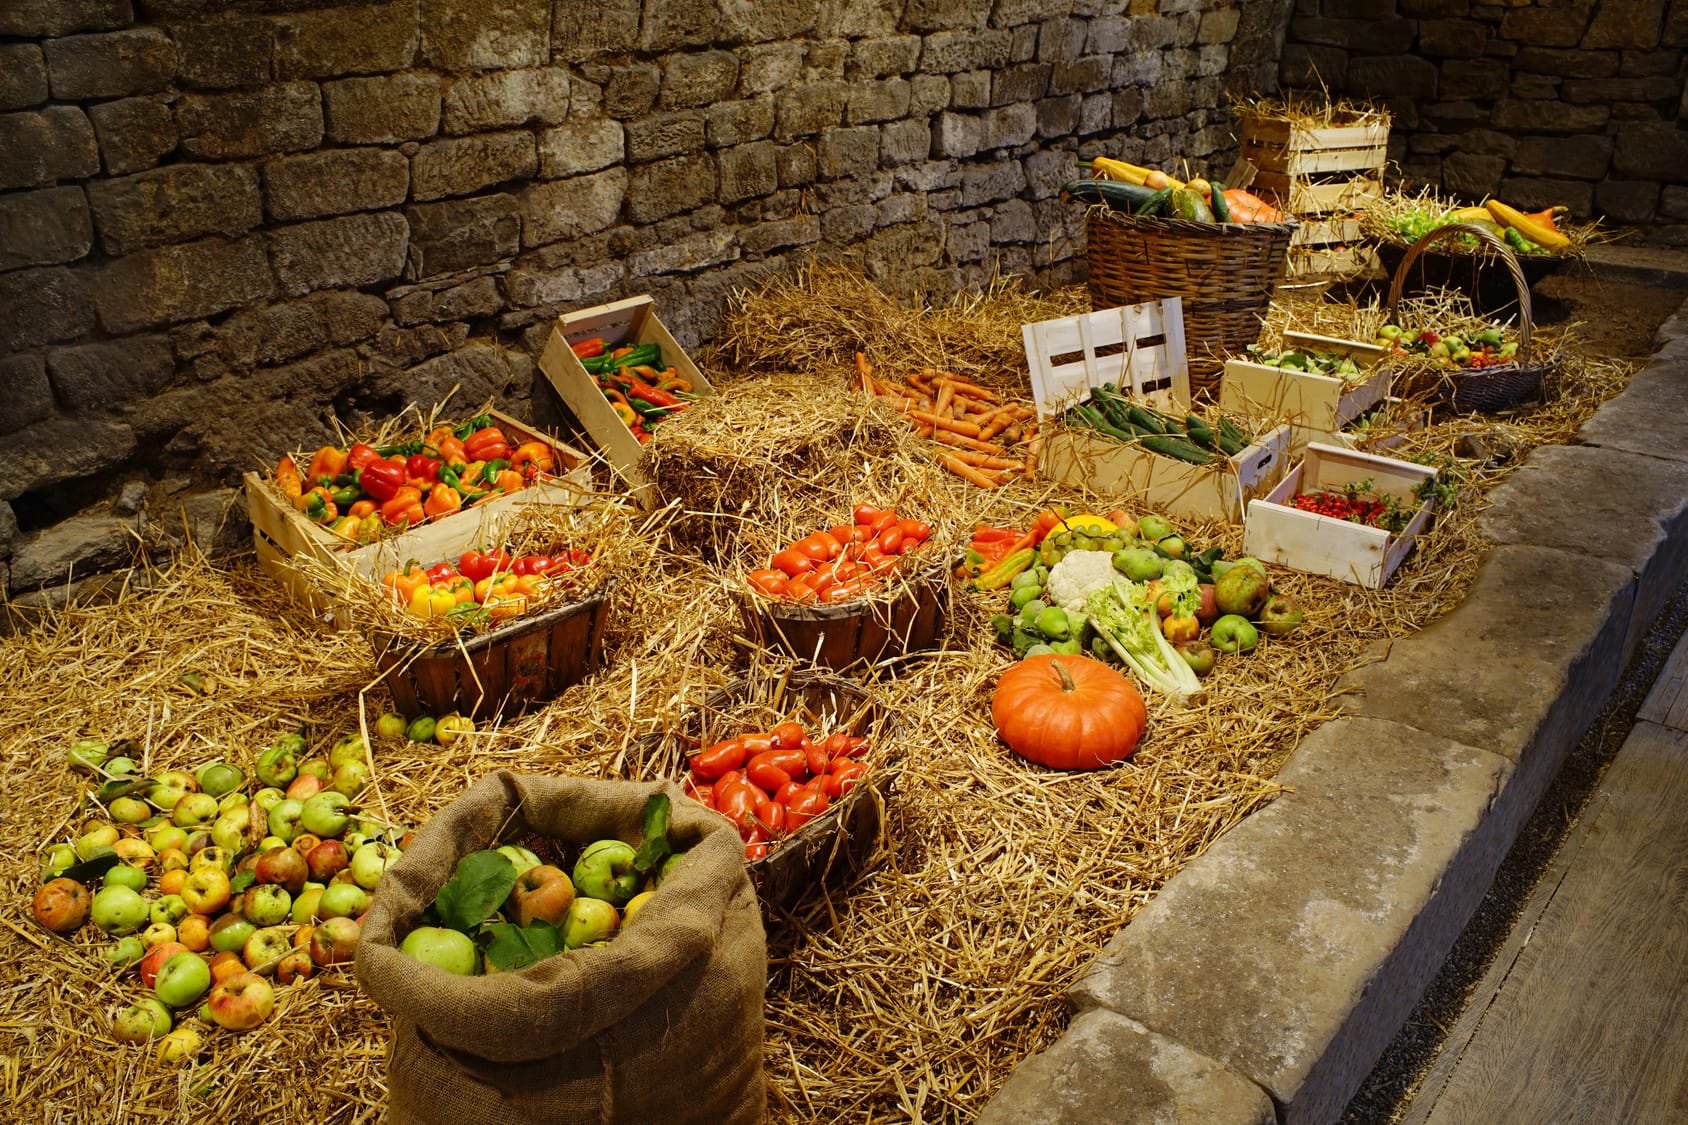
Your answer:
<point x="508" y="480"/>
<point x="532" y="458"/>
<point x="442" y="501"/>
<point x="404" y="508"/>
<point x="326" y="464"/>
<point x="363" y="508"/>
<point x="404" y="583"/>
<point x="287" y="479"/>
<point x="451" y="451"/>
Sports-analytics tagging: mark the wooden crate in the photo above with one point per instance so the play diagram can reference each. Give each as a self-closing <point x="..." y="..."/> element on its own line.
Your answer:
<point x="1140" y="349"/>
<point x="1314" y="404"/>
<point x="1366" y="556"/>
<point x="630" y="322"/>
<point x="1322" y="176"/>
<point x="1284" y="151"/>
<point x="282" y="536"/>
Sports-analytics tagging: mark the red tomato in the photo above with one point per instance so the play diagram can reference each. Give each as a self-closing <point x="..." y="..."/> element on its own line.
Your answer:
<point x="752" y="832"/>
<point x="793" y="562"/>
<point x="798" y="591"/>
<point x="789" y="733"/>
<point x="881" y="522"/>
<point x="804" y="806"/>
<point x="771" y="582"/>
<point x="755" y="851"/>
<point x="815" y="757"/>
<point x="757" y="741"/>
<point x="715" y="761"/>
<point x="890" y="540"/>
<point x="840" y="781"/>
<point x="876" y="560"/>
<point x="834" y="744"/>
<point x="820" y="546"/>
<point x="771" y="816"/>
<point x="845" y="569"/>
<point x="700" y="792"/>
<point x="864" y="513"/>
<point x="915" y="530"/>
<point x="773" y="768"/>
<point x="821" y="583"/>
<point x="848" y="533"/>
<point x="844" y="591"/>
<point x="737" y="802"/>
<point x="784" y="792"/>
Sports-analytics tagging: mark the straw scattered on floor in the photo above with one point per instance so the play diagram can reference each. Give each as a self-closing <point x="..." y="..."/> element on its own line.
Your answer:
<point x="912" y="993"/>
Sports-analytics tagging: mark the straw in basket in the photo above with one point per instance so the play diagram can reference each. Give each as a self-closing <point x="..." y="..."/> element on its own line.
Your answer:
<point x="1224" y="272"/>
<point x="1486" y="388"/>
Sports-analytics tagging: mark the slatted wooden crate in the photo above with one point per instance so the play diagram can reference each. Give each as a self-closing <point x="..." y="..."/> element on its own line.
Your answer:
<point x="1323" y="177"/>
<point x="1140" y="348"/>
<point x="1315" y="405"/>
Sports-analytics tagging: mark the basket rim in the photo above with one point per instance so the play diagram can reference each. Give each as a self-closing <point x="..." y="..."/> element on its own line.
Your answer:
<point x="387" y="640"/>
<point x="834" y="611"/>
<point x="1103" y="213"/>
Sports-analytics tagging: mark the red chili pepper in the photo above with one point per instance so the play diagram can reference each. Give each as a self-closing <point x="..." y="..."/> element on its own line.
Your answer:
<point x="586" y="349"/>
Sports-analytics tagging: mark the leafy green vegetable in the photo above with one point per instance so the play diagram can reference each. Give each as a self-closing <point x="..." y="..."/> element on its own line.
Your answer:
<point x="510" y="947"/>
<point x="483" y="881"/>
<point x="1122" y="614"/>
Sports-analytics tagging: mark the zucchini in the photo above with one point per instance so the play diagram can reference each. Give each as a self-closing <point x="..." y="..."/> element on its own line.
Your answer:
<point x="1221" y="209"/>
<point x="1155" y="204"/>
<point x="1177" y="447"/>
<point x="1200" y="433"/>
<point x="1117" y="194"/>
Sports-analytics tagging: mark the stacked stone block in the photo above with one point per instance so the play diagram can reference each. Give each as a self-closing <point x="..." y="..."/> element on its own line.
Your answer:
<point x="1576" y="103"/>
<point x="225" y="222"/>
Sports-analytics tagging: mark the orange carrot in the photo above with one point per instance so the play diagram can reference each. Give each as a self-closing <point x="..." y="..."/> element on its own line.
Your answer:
<point x="946" y="395"/>
<point x="965" y="442"/>
<point x="1032" y="450"/>
<point x="994" y="423"/>
<point x="967" y="472"/>
<point x="945" y="422"/>
<point x="973" y="390"/>
<point x="985" y="460"/>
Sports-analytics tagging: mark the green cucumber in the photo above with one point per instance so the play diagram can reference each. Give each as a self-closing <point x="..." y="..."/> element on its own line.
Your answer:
<point x="1231" y="439"/>
<point x="1221" y="209"/>
<point x="1155" y="204"/>
<point x="1200" y="433"/>
<point x="1144" y="420"/>
<point x="1115" y="193"/>
<point x="1180" y="448"/>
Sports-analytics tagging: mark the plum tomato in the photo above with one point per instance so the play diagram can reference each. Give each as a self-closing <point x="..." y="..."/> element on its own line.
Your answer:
<point x="804" y="806"/>
<point x="864" y="513"/>
<point x="717" y="759"/>
<point x="789" y="733"/>
<point x="793" y="562"/>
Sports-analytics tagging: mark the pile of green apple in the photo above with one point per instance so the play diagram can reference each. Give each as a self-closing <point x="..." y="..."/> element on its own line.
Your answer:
<point x="445" y="730"/>
<point x="214" y="894"/>
<point x="505" y="908"/>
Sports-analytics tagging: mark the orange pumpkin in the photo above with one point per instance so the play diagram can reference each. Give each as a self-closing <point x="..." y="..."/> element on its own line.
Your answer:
<point x="1068" y="712"/>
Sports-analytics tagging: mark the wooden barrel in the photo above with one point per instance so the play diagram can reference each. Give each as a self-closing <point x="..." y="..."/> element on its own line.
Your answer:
<point x="529" y="660"/>
<point x="907" y="617"/>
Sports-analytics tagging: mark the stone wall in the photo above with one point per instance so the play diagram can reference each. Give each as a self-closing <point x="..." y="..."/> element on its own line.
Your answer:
<point x="1579" y="102"/>
<point x="223" y="222"/>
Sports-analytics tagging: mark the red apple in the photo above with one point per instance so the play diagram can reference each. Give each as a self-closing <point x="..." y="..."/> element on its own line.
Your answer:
<point x="1208" y="612"/>
<point x="335" y="941"/>
<point x="295" y="966"/>
<point x="61" y="905"/>
<point x="305" y="786"/>
<point x="242" y="1002"/>
<point x="284" y="866"/>
<point x="326" y="860"/>
<point x="542" y="893"/>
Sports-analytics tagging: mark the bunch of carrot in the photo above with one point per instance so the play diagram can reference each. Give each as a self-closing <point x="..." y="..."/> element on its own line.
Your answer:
<point x="986" y="441"/>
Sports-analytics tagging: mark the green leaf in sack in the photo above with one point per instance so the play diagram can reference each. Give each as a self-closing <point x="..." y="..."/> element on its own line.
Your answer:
<point x="483" y="881"/>
<point x="510" y="947"/>
<point x="655" y="847"/>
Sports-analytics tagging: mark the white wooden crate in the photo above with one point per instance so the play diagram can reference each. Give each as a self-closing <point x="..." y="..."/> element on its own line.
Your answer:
<point x="1313" y="403"/>
<point x="1139" y="349"/>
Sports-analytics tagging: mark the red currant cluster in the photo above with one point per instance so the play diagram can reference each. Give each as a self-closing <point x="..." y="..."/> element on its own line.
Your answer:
<point x="1341" y="506"/>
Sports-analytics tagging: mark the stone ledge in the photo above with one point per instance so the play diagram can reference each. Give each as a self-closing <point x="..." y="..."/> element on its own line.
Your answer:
<point x="1150" y="1078"/>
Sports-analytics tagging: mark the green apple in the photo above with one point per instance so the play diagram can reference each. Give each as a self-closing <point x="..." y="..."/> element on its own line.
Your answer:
<point x="589" y="920"/>
<point x="522" y="859"/>
<point x="349" y="748"/>
<point x="305" y="905"/>
<point x="349" y="778"/>
<point x="391" y="726"/>
<point x="233" y="829"/>
<point x="326" y="814"/>
<point x="342" y="900"/>
<point x="450" y="950"/>
<point x="141" y="1022"/>
<point x="605" y="871"/>
<point x="125" y="876"/>
<point x="267" y="904"/>
<point x="119" y="910"/>
<point x="129" y="810"/>
<point x="266" y="799"/>
<point x="1281" y="615"/>
<point x="164" y="836"/>
<point x="284" y="818"/>
<point x="56" y="860"/>
<point x="194" y="810"/>
<point x="219" y="778"/>
<point x="127" y="953"/>
<point x="183" y="980"/>
<point x="421" y="729"/>
<point x="169" y="908"/>
<point x="370" y="862"/>
<point x="1233" y="633"/>
<point x="230" y="933"/>
<point x="87" y="755"/>
<point x="96" y="840"/>
<point x="1154" y="528"/>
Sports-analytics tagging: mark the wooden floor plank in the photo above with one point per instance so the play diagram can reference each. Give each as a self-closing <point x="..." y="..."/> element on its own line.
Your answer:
<point x="1587" y="1027"/>
<point x="1667" y="703"/>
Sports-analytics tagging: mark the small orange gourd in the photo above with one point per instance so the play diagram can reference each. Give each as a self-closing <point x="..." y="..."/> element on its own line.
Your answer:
<point x="1068" y="712"/>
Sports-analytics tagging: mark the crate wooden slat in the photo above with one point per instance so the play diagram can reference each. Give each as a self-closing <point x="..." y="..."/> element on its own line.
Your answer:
<point x="631" y="322"/>
<point x="1277" y="146"/>
<point x="1140" y="348"/>
<point x="1315" y="405"/>
<point x="1365" y="556"/>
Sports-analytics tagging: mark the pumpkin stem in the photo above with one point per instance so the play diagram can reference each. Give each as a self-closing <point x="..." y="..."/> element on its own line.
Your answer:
<point x="1066" y="680"/>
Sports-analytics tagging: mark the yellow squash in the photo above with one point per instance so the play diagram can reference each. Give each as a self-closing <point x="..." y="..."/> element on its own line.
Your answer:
<point x="1530" y="227"/>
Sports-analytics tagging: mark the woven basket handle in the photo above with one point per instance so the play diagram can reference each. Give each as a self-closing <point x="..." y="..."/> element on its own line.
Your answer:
<point x="1525" y="320"/>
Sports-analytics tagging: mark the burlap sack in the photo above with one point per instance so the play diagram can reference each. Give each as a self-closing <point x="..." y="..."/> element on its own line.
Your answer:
<point x="663" y="1025"/>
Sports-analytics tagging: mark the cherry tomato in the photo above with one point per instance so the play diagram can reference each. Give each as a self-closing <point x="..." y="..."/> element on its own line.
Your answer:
<point x="789" y="733"/>
<point x="716" y="760"/>
<point x="804" y="806"/>
<point x="771" y="582"/>
<point x="793" y="562"/>
<point x="864" y="513"/>
<point x="917" y="531"/>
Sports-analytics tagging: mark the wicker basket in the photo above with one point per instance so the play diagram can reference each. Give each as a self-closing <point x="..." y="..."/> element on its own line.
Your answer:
<point x="526" y="661"/>
<point x="839" y="841"/>
<point x="1487" y="388"/>
<point x="1224" y="273"/>
<point x="908" y="616"/>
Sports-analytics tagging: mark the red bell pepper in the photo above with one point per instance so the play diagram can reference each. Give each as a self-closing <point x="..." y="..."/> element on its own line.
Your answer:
<point x="420" y="469"/>
<point x="359" y="456"/>
<point x="488" y="444"/>
<point x="382" y="480"/>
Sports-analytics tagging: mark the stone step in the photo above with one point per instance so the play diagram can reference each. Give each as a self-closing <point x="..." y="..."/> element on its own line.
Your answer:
<point x="1661" y="266"/>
